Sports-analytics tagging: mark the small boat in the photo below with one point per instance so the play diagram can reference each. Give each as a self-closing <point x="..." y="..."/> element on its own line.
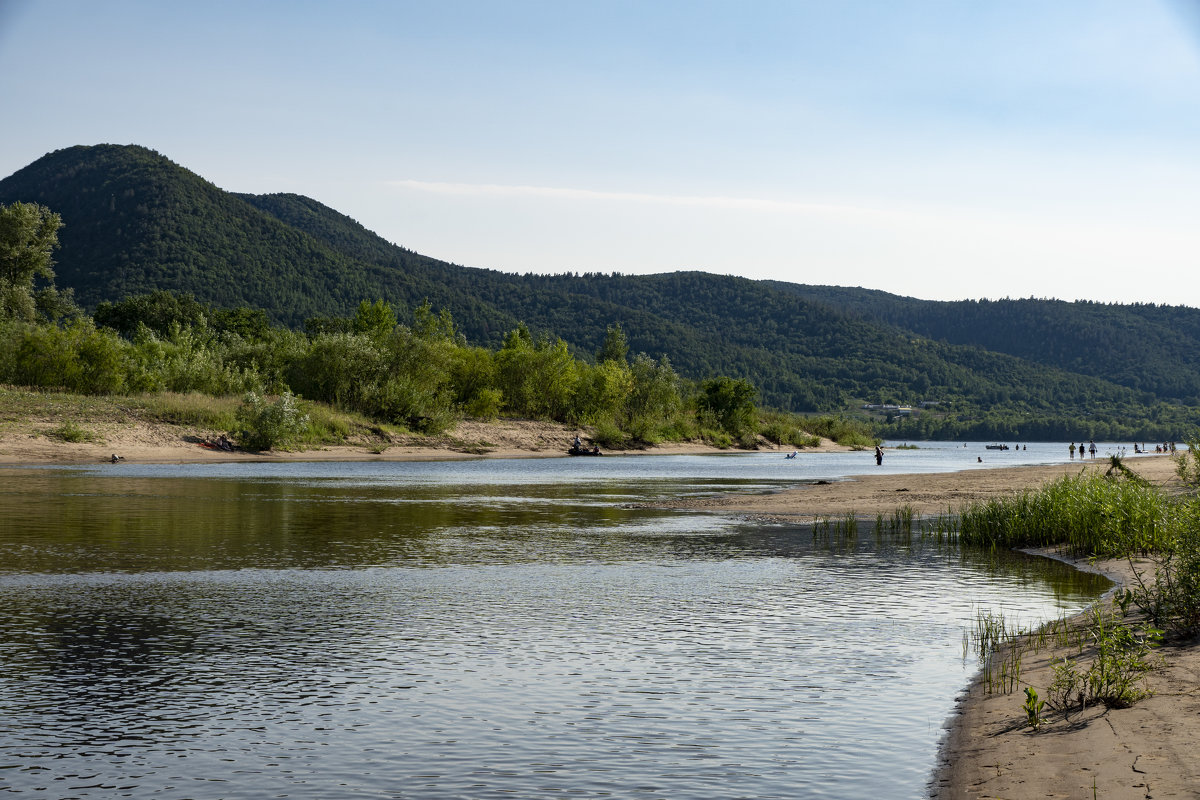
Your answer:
<point x="583" y="451"/>
<point x="996" y="446"/>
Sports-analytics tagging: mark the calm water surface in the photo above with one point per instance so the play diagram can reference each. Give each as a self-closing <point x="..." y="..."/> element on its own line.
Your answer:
<point x="473" y="629"/>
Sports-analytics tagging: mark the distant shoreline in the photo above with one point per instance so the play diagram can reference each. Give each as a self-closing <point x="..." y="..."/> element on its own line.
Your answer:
<point x="161" y="443"/>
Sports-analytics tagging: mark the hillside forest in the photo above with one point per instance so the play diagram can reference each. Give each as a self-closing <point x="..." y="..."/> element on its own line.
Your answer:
<point x="242" y="292"/>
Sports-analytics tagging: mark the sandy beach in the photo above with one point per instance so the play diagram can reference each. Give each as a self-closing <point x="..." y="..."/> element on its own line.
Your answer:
<point x="1147" y="751"/>
<point x="157" y="443"/>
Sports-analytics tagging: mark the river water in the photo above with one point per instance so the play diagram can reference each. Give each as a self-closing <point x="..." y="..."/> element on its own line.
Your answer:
<point x="480" y="629"/>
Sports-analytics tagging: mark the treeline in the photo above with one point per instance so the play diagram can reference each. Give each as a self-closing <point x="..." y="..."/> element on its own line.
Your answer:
<point x="422" y="376"/>
<point x="1165" y="423"/>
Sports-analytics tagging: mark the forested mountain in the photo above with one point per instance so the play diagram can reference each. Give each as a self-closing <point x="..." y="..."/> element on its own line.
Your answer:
<point x="1151" y="348"/>
<point x="136" y="222"/>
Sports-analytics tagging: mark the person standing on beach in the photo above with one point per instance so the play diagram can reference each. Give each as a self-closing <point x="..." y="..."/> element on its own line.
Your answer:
<point x="1072" y="449"/>
<point x="878" y="456"/>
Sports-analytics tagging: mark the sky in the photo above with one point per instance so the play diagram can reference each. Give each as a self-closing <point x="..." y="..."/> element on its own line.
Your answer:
<point x="940" y="150"/>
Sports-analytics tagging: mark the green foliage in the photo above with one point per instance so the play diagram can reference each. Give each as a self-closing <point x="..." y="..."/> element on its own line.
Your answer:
<point x="601" y="391"/>
<point x="730" y="402"/>
<point x="340" y="369"/>
<point x="615" y="347"/>
<point x="1187" y="465"/>
<point x="1091" y="515"/>
<point x="485" y="404"/>
<point x="160" y="312"/>
<point x="70" y="432"/>
<point x="374" y="320"/>
<point x="609" y="436"/>
<point x="1119" y="657"/>
<point x="76" y="358"/>
<point x="654" y="403"/>
<point x="263" y="425"/>
<point x="785" y="430"/>
<point x="28" y="237"/>
<point x="1033" y="708"/>
<point x="537" y="379"/>
<point x="1169" y="595"/>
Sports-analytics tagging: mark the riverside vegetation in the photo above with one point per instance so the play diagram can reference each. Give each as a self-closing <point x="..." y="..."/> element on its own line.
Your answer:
<point x="1010" y="370"/>
<point x="367" y="371"/>
<point x="1110" y="515"/>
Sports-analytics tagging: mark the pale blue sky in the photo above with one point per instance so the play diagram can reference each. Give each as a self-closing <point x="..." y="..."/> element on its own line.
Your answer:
<point x="943" y="150"/>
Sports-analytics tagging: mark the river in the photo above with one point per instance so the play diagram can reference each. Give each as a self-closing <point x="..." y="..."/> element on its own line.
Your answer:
<point x="480" y="629"/>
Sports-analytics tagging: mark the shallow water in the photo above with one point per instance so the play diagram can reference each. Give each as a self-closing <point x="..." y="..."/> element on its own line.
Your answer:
<point x="477" y="629"/>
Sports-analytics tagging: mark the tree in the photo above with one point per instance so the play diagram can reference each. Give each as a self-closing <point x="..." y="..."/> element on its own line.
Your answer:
<point x="376" y="320"/>
<point x="28" y="237"/>
<point x="731" y="402"/>
<point x="160" y="311"/>
<point x="615" y="347"/>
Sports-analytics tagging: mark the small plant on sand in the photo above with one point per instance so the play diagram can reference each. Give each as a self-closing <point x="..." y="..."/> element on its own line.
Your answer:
<point x="1120" y="660"/>
<point x="1033" y="708"/>
<point x="70" y="432"/>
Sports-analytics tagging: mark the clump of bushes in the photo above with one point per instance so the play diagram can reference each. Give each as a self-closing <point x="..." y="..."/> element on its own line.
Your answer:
<point x="263" y="425"/>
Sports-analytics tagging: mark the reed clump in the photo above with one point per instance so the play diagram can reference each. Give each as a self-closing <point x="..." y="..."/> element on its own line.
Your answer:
<point x="1113" y="515"/>
<point x="1089" y="515"/>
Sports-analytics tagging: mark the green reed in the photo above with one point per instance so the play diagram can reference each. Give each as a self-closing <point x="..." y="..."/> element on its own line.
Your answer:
<point x="1090" y="514"/>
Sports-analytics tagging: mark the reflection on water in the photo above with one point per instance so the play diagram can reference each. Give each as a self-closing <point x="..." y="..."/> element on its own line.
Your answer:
<point x="378" y="637"/>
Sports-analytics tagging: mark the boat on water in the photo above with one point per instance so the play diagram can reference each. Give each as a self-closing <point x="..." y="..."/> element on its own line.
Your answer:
<point x="996" y="446"/>
<point x="577" y="450"/>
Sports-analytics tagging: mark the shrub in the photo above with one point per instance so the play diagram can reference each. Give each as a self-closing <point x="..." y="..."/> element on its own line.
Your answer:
<point x="263" y="426"/>
<point x="70" y="432"/>
<point x="607" y="434"/>
<point x="485" y="404"/>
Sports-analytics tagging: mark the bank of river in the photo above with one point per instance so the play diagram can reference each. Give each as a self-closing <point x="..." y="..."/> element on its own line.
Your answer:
<point x="473" y="629"/>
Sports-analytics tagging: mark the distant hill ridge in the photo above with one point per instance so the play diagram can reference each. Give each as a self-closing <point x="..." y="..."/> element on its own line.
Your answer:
<point x="136" y="222"/>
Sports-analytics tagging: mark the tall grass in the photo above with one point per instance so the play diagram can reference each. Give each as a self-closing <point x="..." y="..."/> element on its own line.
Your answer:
<point x="1091" y="515"/>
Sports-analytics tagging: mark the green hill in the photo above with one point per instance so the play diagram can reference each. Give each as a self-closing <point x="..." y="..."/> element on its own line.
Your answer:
<point x="136" y="222"/>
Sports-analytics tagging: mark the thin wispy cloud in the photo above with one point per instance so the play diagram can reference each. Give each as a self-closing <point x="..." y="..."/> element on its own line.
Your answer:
<point x="718" y="202"/>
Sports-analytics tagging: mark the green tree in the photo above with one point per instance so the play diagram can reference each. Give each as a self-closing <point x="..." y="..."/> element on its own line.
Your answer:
<point x="654" y="399"/>
<point x="731" y="403"/>
<point x="615" y="347"/>
<point x="376" y="320"/>
<point x="28" y="236"/>
<point x="159" y="311"/>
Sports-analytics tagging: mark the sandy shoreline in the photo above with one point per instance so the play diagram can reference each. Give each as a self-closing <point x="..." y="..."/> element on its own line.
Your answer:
<point x="156" y="443"/>
<point x="1142" y="752"/>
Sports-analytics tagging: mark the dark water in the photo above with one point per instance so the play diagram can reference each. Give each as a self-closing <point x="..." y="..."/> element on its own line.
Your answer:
<point x="478" y="631"/>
